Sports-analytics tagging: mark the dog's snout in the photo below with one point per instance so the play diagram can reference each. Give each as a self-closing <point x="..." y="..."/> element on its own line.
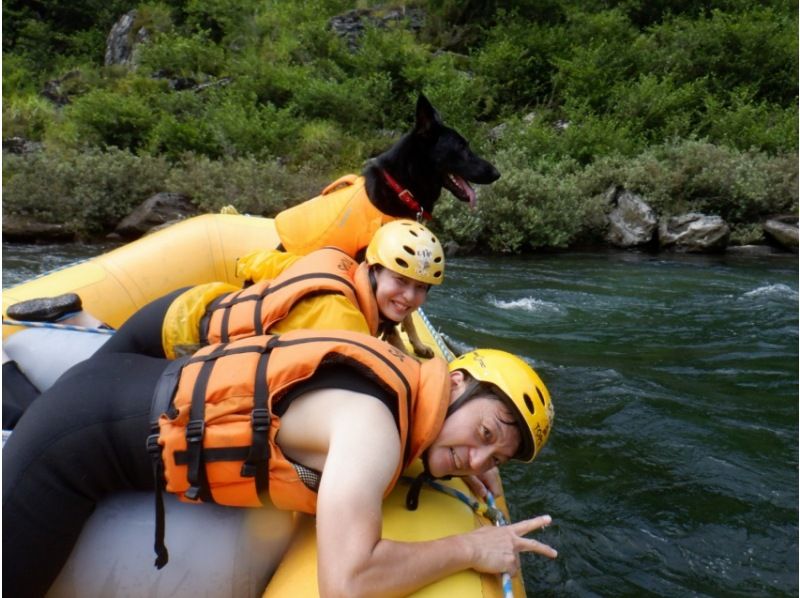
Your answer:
<point x="488" y="174"/>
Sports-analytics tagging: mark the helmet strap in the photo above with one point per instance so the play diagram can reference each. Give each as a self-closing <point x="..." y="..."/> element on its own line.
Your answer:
<point x="412" y="497"/>
<point x="465" y="396"/>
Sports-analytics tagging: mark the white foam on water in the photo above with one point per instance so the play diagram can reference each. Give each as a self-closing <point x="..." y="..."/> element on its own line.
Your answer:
<point x="529" y="304"/>
<point x="773" y="291"/>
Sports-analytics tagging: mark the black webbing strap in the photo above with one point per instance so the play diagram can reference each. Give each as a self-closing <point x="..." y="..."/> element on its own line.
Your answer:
<point x="162" y="399"/>
<point x="195" y="430"/>
<point x="256" y="463"/>
<point x="205" y="321"/>
<point x="412" y="498"/>
<point x="224" y="333"/>
<point x="258" y="324"/>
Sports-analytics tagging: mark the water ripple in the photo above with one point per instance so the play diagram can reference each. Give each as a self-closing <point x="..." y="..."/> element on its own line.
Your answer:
<point x="527" y="304"/>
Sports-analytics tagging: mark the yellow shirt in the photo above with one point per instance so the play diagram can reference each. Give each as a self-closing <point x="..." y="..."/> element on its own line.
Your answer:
<point x="180" y="331"/>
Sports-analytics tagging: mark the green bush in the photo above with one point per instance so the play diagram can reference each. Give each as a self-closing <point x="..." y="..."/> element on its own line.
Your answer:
<point x="251" y="186"/>
<point x="220" y="18"/>
<point x="600" y="54"/>
<point x="527" y="208"/>
<point x="682" y="176"/>
<point x="403" y="65"/>
<point x="582" y="137"/>
<point x="27" y="116"/>
<point x="225" y="119"/>
<point x="322" y="146"/>
<point x="746" y="123"/>
<point x="174" y="135"/>
<point x="658" y="108"/>
<point x="515" y="63"/>
<point x="355" y="103"/>
<point x="560" y="203"/>
<point x="174" y="55"/>
<point x="18" y="77"/>
<point x="89" y="191"/>
<point x="107" y="118"/>
<point x="252" y="129"/>
<point x="755" y="46"/>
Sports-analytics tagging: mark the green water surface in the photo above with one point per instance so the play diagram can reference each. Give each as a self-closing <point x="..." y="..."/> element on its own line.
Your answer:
<point x="673" y="466"/>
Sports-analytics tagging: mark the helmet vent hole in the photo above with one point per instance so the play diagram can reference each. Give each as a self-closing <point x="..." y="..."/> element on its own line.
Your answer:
<point x="437" y="274"/>
<point x="402" y="263"/>
<point x="436" y="260"/>
<point x="541" y="396"/>
<point x="413" y="232"/>
<point x="408" y="250"/>
<point x="528" y="403"/>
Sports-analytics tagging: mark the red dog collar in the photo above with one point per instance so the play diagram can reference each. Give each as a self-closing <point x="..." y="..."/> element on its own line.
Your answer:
<point x="406" y="197"/>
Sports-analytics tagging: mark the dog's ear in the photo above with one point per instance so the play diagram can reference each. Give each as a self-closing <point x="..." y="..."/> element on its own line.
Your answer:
<point x="427" y="117"/>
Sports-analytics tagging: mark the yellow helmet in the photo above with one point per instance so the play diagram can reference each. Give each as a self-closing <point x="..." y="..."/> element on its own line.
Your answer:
<point x="528" y="395"/>
<point x="408" y="248"/>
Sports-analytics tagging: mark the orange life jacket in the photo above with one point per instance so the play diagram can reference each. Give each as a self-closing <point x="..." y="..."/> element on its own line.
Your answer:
<point x="253" y="310"/>
<point x="341" y="216"/>
<point x="216" y="430"/>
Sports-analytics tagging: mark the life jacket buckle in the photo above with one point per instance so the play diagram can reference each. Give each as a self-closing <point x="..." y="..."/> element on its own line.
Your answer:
<point x="153" y="448"/>
<point x="261" y="420"/>
<point x="193" y="493"/>
<point x="195" y="430"/>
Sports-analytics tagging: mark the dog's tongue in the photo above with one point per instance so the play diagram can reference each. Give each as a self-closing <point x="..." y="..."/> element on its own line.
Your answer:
<point x="466" y="192"/>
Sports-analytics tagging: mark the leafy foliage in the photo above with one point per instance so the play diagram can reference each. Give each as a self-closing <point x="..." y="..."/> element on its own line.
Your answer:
<point x="249" y="185"/>
<point x="89" y="191"/>
<point x="691" y="102"/>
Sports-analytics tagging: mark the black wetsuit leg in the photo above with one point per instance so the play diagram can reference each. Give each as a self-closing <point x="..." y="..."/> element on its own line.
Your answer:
<point x="141" y="333"/>
<point x="18" y="394"/>
<point x="80" y="440"/>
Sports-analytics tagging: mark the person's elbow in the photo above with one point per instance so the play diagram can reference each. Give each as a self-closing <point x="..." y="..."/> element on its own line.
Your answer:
<point x="341" y="584"/>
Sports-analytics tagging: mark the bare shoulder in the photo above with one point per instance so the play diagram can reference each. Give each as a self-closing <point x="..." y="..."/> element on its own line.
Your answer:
<point x="320" y="418"/>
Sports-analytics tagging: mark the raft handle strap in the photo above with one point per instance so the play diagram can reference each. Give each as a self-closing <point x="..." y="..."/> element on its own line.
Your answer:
<point x="162" y="399"/>
<point x="160" y="548"/>
<point x="412" y="498"/>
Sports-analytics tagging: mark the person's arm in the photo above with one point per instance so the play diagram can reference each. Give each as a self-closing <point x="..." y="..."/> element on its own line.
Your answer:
<point x="263" y="264"/>
<point x="353" y="559"/>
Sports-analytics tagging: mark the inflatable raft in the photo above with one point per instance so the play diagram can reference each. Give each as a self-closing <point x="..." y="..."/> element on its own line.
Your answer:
<point x="214" y="551"/>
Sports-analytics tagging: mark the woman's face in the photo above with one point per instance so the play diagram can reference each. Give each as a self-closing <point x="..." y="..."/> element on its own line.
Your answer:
<point x="397" y="295"/>
<point x="474" y="438"/>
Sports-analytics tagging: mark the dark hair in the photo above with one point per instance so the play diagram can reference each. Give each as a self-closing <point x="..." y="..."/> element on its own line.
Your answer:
<point x="487" y="390"/>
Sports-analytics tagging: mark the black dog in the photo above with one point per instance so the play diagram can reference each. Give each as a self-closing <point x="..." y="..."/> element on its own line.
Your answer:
<point x="403" y="182"/>
<point x="423" y="161"/>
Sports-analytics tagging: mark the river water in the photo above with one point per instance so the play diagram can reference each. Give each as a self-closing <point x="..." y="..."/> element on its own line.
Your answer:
<point x="672" y="469"/>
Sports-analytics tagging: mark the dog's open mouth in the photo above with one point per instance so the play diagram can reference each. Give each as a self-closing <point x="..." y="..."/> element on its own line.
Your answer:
<point x="460" y="188"/>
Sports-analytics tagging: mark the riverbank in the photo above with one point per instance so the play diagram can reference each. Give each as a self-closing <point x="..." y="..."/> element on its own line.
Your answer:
<point x="51" y="196"/>
<point x="630" y="225"/>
